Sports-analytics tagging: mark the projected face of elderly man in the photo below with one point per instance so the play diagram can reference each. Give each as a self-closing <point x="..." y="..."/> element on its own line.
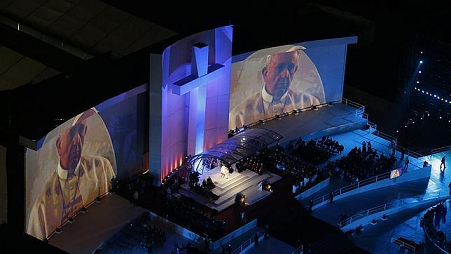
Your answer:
<point x="70" y="144"/>
<point x="278" y="73"/>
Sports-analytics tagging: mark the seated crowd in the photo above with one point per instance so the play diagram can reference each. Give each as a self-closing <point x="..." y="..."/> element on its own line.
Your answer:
<point x="252" y="162"/>
<point x="315" y="151"/>
<point x="361" y="163"/>
<point x="193" y="218"/>
<point x="204" y="189"/>
<point x="305" y="175"/>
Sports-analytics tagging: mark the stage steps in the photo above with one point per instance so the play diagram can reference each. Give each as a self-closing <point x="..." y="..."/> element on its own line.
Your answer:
<point x="246" y="183"/>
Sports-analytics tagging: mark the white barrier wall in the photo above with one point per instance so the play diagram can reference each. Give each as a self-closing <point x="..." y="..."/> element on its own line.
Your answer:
<point x="406" y="177"/>
<point x="313" y="189"/>
<point x="367" y="220"/>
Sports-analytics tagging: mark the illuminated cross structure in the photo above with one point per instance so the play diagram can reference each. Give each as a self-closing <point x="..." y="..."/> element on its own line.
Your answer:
<point x="196" y="85"/>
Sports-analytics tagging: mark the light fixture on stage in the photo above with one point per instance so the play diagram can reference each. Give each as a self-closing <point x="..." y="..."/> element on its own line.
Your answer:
<point x="58" y="230"/>
<point x="421" y="52"/>
<point x="421" y="61"/>
<point x="261" y="121"/>
<point x="397" y="131"/>
<point x="71" y="219"/>
<point x="418" y="82"/>
<point x="278" y="117"/>
<point x="419" y="71"/>
<point x="315" y="107"/>
<point x="330" y="104"/>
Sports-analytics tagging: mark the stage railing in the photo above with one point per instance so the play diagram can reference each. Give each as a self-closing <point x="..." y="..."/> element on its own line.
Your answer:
<point x="351" y="187"/>
<point x="401" y="243"/>
<point x="359" y="111"/>
<point x="440" y="150"/>
<point x="247" y="243"/>
<point x="360" y="108"/>
<point x="385" y="136"/>
<point x="408" y="152"/>
<point x="366" y="213"/>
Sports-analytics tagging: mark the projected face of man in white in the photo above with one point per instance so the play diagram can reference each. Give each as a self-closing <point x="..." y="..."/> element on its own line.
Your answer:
<point x="278" y="73"/>
<point x="80" y="176"/>
<point x="70" y="144"/>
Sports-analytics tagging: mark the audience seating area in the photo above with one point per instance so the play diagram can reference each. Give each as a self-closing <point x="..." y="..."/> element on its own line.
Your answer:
<point x="360" y="164"/>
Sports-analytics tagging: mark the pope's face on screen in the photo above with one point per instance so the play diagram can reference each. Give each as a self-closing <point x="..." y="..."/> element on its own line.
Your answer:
<point x="69" y="145"/>
<point x="279" y="72"/>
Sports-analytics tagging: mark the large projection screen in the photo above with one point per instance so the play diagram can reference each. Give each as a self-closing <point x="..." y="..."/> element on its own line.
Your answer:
<point x="285" y="78"/>
<point x="76" y="161"/>
<point x="73" y="167"/>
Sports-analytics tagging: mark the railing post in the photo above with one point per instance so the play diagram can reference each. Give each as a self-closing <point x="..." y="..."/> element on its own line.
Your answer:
<point x="385" y="206"/>
<point x="340" y="191"/>
<point x="358" y="185"/>
<point x="376" y="178"/>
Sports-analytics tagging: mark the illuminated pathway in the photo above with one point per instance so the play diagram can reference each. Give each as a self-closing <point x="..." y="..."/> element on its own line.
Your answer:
<point x="377" y="238"/>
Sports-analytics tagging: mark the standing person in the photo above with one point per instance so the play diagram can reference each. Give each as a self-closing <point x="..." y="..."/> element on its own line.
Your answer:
<point x="76" y="181"/>
<point x="442" y="164"/>
<point x="275" y="97"/>
<point x="393" y="147"/>
<point x="402" y="154"/>
<point x="406" y="164"/>
<point x="331" y="197"/>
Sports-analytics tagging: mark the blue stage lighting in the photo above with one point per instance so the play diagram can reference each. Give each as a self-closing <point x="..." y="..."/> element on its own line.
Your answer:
<point x="421" y="61"/>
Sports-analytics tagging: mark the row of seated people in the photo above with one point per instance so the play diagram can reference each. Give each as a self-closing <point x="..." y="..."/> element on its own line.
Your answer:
<point x="252" y="162"/>
<point x="361" y="165"/>
<point x="314" y="151"/>
<point x="306" y="175"/>
<point x="330" y="145"/>
<point x="193" y="218"/>
<point x="208" y="184"/>
<point x="203" y="191"/>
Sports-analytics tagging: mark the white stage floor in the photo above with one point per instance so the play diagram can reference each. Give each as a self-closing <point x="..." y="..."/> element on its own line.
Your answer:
<point x="325" y="121"/>
<point x="98" y="224"/>
<point x="245" y="182"/>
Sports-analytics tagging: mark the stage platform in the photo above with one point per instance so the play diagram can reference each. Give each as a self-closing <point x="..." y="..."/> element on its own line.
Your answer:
<point x="309" y="124"/>
<point x="245" y="182"/>
<point x="91" y="229"/>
